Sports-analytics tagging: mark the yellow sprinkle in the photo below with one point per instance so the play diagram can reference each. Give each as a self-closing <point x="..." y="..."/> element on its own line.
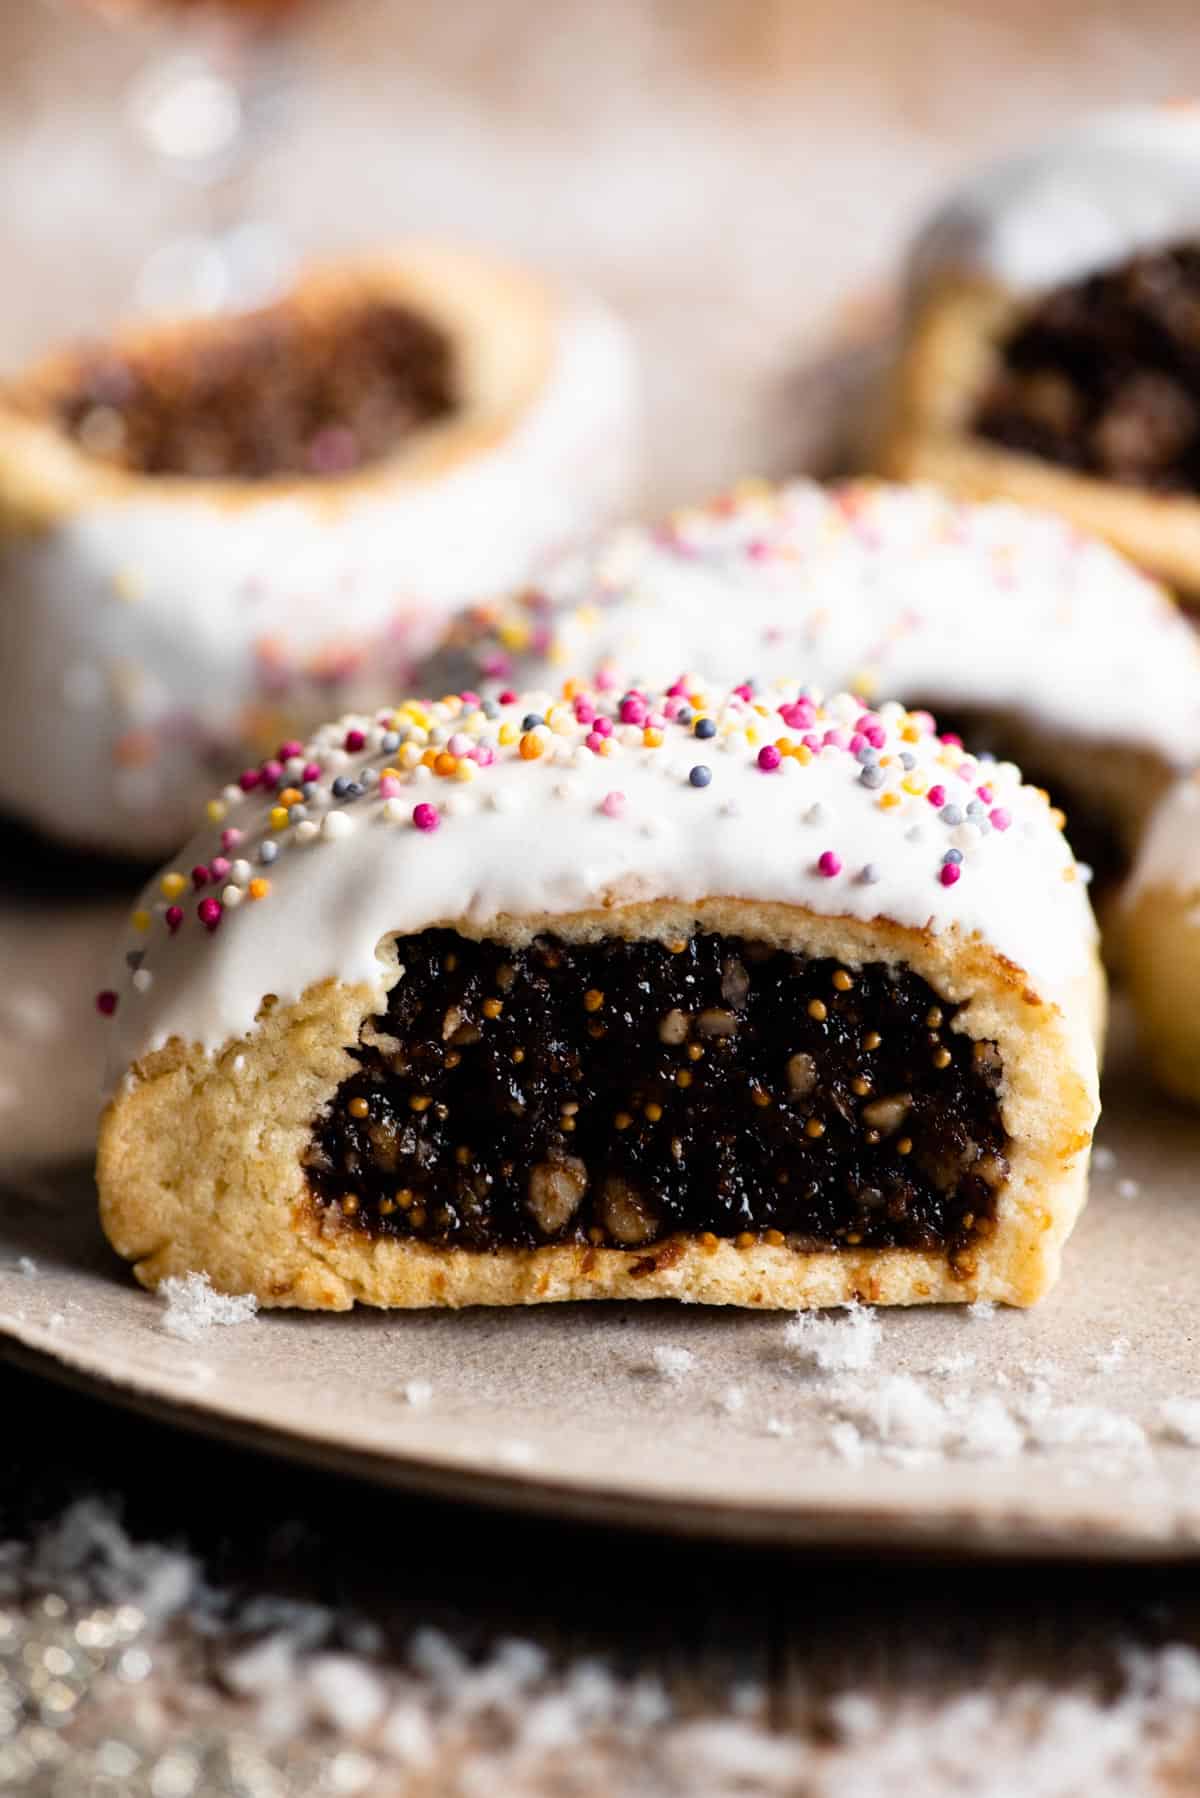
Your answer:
<point x="751" y="735"/>
<point x="514" y="634"/>
<point x="259" y="887"/>
<point x="1057" y="818"/>
<point x="909" y="733"/>
<point x="389" y="774"/>
<point x="652" y="737"/>
<point x="279" y="817"/>
<point x="913" y="783"/>
<point x="410" y="755"/>
<point x="465" y="770"/>
<point x="887" y="801"/>
<point x="561" y="719"/>
<point x="172" y="885"/>
<point x="803" y="754"/>
<point x="508" y="732"/>
<point x="140" y="920"/>
<point x="215" y="810"/>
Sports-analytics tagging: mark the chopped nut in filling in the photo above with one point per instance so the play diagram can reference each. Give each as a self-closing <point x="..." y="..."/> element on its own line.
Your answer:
<point x="619" y="1093"/>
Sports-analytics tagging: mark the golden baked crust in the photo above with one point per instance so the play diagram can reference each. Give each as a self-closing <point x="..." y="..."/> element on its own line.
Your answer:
<point x="946" y="360"/>
<point x="1161" y="964"/>
<point x="500" y="323"/>
<point x="199" y="1157"/>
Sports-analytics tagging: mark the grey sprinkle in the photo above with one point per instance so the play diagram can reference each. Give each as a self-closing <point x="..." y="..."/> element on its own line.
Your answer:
<point x="983" y="827"/>
<point x="952" y="855"/>
<point x="866" y="754"/>
<point x="297" y="814"/>
<point x="134" y="958"/>
<point x="309" y="788"/>
<point x="872" y="777"/>
<point x="268" y="852"/>
<point x="391" y="740"/>
<point x="975" y="808"/>
<point x="951" y="814"/>
<point x="986" y="755"/>
<point x="869" y="873"/>
<point x="490" y="709"/>
<point x="907" y="759"/>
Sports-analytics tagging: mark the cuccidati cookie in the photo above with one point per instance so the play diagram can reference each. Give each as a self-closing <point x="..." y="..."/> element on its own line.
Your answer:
<point x="213" y="532"/>
<point x="739" y="996"/>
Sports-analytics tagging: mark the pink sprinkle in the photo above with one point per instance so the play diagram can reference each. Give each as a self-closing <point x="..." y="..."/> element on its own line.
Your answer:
<point x="951" y="873"/>
<point x="769" y="758"/>
<point x="613" y="804"/>
<point x="200" y="876"/>
<point x="593" y="741"/>
<point x="672" y="706"/>
<point x="496" y="665"/>
<point x="271" y="772"/>
<point x="678" y="689"/>
<point x="459" y="744"/>
<point x="585" y="712"/>
<point x="354" y="739"/>
<point x="799" y="714"/>
<point x="604" y="726"/>
<point x="389" y="787"/>
<point x="857" y="742"/>
<point x="876" y="735"/>
<point x="1000" y="819"/>
<point x="483" y="755"/>
<point x="836" y="739"/>
<point x="758" y="550"/>
<point x="632" y="711"/>
<point x="287" y="750"/>
<point x="812" y="741"/>
<point x="218" y="867"/>
<point x="955" y="742"/>
<point x="209" y="913"/>
<point x="249" y="779"/>
<point x="469" y="698"/>
<point x="829" y="864"/>
<point x="230" y="838"/>
<point x="936" y="796"/>
<point x="606" y="680"/>
<point x="310" y="771"/>
<point x="174" y="917"/>
<point x="425" y="817"/>
<point x="984" y="793"/>
<point x="744" y="692"/>
<point x="106" y="1003"/>
<point x="508" y="697"/>
<point x="656" y="720"/>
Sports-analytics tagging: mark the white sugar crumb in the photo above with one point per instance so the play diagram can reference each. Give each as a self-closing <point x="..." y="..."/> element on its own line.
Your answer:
<point x="27" y="1267"/>
<point x="193" y="1308"/>
<point x="733" y="1400"/>
<point x="1103" y="1159"/>
<point x="1179" y="1420"/>
<point x="1128" y="1189"/>
<point x="417" y="1393"/>
<point x="775" y="1426"/>
<point x="669" y="1362"/>
<point x="515" y="1454"/>
<point x="981" y="1310"/>
<point x="835" y="1345"/>
<point x="954" y="1365"/>
<point x="1105" y="1360"/>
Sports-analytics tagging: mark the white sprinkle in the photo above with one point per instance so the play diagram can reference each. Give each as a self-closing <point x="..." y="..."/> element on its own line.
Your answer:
<point x="417" y="1393"/>
<point x="308" y="830"/>
<point x="240" y="871"/>
<point x="1103" y="1158"/>
<point x="192" y="1307"/>
<point x="775" y="1426"/>
<point x="1104" y="1360"/>
<point x="733" y="1400"/>
<point x="1128" y="1189"/>
<point x="143" y="980"/>
<point x="982" y="1311"/>
<point x="231" y="896"/>
<point x="27" y="1267"/>
<point x="501" y="799"/>
<point x="336" y="824"/>
<point x="669" y="1362"/>
<point x="395" y="811"/>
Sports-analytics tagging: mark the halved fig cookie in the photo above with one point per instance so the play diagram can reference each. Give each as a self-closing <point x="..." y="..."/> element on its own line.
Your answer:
<point x="742" y="997"/>
<point x="1049" y="351"/>
<point x="214" y="531"/>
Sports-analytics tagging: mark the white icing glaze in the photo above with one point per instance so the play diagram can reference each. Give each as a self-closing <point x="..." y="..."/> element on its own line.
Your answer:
<point x="1169" y="852"/>
<point x="1117" y="183"/>
<point x="576" y="828"/>
<point x="896" y="592"/>
<point x="140" y="641"/>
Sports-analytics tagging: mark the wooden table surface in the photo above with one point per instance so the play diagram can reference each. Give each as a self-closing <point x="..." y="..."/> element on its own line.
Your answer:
<point x="738" y="180"/>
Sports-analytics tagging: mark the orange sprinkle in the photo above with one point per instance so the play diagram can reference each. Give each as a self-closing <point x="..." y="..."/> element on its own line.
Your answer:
<point x="259" y="888"/>
<point x="531" y="746"/>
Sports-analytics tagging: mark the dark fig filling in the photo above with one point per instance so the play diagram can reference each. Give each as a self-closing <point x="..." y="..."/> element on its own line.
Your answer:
<point x="277" y="392"/>
<point x="1103" y="376"/>
<point x="620" y="1093"/>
